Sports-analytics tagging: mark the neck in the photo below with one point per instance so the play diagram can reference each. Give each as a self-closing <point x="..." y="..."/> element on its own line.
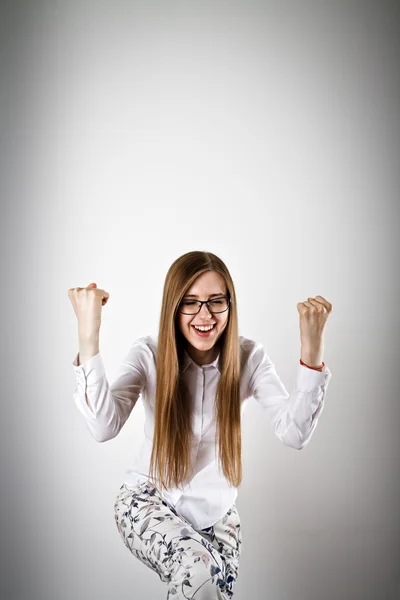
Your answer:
<point x="202" y="357"/>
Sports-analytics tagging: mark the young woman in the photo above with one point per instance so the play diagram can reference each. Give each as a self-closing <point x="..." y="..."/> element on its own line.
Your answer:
<point x="176" y="510"/>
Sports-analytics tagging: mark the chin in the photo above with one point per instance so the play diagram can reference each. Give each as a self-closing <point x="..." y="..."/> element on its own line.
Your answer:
<point x="202" y="343"/>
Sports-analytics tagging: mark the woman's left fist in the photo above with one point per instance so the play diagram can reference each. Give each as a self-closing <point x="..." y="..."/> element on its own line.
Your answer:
<point x="314" y="314"/>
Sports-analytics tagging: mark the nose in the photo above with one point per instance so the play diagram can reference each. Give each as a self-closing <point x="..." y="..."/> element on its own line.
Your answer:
<point x="205" y="311"/>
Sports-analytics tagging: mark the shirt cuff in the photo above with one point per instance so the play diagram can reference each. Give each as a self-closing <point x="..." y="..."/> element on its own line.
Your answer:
<point x="89" y="372"/>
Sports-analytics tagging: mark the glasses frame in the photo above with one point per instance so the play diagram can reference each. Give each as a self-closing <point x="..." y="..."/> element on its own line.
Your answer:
<point x="208" y="308"/>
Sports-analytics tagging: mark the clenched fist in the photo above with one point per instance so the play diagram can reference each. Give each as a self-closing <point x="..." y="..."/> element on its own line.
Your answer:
<point x="87" y="304"/>
<point x="314" y="315"/>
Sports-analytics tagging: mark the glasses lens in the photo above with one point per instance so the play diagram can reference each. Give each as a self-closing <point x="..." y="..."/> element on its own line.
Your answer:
<point x="191" y="307"/>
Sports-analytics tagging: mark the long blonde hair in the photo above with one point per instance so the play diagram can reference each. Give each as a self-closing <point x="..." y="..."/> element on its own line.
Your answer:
<point x="171" y="451"/>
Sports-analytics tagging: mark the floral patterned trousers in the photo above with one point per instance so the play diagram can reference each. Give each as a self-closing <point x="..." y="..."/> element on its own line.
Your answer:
<point x="196" y="564"/>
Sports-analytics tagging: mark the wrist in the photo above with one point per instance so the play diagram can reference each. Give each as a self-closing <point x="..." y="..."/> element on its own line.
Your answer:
<point x="312" y="354"/>
<point x="88" y="337"/>
<point x="311" y="359"/>
<point x="88" y="346"/>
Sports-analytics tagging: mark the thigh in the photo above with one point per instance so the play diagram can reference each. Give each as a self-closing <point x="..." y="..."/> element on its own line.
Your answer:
<point x="164" y="541"/>
<point x="142" y="519"/>
<point x="226" y="536"/>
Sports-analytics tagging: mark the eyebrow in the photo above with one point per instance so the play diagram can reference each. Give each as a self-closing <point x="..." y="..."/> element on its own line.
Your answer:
<point x="212" y="295"/>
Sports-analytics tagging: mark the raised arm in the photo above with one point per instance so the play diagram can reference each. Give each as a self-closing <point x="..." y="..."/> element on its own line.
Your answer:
<point x="293" y="416"/>
<point x="107" y="407"/>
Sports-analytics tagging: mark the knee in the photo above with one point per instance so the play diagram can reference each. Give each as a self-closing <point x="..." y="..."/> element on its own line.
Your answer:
<point x="199" y="579"/>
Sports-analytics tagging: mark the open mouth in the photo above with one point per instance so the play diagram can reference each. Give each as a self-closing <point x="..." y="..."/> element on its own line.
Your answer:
<point x="203" y="333"/>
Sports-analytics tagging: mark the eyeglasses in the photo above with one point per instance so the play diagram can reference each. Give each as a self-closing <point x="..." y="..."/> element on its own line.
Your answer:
<point x="215" y="306"/>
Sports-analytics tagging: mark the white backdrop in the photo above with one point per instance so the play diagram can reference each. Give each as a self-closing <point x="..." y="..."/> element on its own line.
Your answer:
<point x="268" y="134"/>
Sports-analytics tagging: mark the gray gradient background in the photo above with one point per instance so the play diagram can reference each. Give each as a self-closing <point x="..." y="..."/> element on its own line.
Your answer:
<point x="268" y="133"/>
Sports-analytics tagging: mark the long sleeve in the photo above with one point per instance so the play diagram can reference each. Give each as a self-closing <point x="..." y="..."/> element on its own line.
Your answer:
<point x="293" y="416"/>
<point x="113" y="404"/>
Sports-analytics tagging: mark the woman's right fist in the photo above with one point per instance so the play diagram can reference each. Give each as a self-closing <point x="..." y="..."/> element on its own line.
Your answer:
<point x="87" y="304"/>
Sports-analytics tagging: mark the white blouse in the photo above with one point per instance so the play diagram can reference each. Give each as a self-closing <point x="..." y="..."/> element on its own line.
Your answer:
<point x="207" y="495"/>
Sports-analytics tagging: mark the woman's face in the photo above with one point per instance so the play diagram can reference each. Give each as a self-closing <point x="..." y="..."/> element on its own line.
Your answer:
<point x="206" y="285"/>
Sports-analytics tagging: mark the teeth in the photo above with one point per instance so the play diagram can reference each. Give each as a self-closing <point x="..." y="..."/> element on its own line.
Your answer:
<point x="201" y="328"/>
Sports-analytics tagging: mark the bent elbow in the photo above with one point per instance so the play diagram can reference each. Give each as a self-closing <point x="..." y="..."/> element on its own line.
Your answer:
<point x="105" y="438"/>
<point x="102" y="437"/>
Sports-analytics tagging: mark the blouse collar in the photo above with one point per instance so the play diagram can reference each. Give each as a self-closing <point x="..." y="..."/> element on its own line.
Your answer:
<point x="187" y="360"/>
